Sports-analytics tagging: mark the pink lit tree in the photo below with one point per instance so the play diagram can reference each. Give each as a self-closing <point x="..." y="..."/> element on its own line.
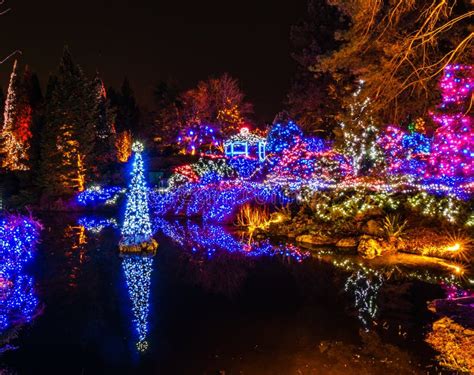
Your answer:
<point x="452" y="152"/>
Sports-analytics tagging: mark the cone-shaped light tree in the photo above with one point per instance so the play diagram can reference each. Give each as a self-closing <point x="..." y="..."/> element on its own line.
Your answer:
<point x="136" y="230"/>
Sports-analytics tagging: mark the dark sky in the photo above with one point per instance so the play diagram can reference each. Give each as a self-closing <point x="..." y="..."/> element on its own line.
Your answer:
<point x="154" y="40"/>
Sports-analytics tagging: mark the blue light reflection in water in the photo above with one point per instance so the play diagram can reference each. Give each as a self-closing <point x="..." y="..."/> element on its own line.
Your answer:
<point x="137" y="270"/>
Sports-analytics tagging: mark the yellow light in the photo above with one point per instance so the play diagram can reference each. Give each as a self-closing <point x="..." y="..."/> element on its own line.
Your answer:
<point x="455" y="247"/>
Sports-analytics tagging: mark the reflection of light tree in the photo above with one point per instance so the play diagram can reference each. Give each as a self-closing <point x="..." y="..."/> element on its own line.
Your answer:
<point x="137" y="271"/>
<point x="365" y="289"/>
<point x="76" y="239"/>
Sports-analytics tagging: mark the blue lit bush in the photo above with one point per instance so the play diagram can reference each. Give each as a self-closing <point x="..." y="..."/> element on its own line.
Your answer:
<point x="18" y="303"/>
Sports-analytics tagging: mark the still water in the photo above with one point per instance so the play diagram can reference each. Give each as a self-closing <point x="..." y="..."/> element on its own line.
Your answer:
<point x="209" y="302"/>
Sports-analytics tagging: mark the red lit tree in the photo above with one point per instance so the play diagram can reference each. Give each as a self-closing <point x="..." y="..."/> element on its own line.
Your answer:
<point x="17" y="122"/>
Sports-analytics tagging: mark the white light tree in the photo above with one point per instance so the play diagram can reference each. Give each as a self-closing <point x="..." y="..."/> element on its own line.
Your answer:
<point x="136" y="230"/>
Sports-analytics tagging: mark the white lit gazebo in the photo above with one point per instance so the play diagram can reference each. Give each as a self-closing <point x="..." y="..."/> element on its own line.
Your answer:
<point x="245" y="144"/>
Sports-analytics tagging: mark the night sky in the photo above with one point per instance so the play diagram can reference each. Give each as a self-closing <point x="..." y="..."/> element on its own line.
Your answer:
<point x="148" y="41"/>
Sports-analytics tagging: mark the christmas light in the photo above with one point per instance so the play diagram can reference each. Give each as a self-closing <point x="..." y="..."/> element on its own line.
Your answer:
<point x="18" y="238"/>
<point x="136" y="229"/>
<point x="208" y="239"/>
<point x="95" y="225"/>
<point x="16" y="133"/>
<point x="96" y="194"/>
<point x="453" y="144"/>
<point x="283" y="136"/>
<point x="245" y="144"/>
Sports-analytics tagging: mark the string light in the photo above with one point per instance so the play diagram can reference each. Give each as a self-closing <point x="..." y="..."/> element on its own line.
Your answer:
<point x="136" y="229"/>
<point x="96" y="194"/>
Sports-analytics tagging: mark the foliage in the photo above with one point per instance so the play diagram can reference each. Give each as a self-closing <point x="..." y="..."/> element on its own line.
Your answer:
<point x="17" y="128"/>
<point x="282" y="136"/>
<point x="394" y="227"/>
<point x="123" y="145"/>
<point x="253" y="217"/>
<point x="357" y="137"/>
<point x="67" y="146"/>
<point x="399" y="50"/>
<point x="452" y="152"/>
<point x="215" y="106"/>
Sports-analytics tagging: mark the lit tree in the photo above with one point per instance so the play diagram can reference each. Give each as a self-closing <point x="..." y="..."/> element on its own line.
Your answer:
<point x="16" y="132"/>
<point x="452" y="153"/>
<point x="70" y="132"/>
<point x="212" y="111"/>
<point x="359" y="136"/>
<point x="136" y="230"/>
<point x="123" y="145"/>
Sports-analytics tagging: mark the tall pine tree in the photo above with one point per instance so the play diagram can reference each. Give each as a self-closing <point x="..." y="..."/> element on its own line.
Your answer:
<point x="17" y="121"/>
<point x="68" y="142"/>
<point x="105" y="128"/>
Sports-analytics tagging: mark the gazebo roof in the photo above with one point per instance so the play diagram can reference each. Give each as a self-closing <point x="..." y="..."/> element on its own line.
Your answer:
<point x="244" y="136"/>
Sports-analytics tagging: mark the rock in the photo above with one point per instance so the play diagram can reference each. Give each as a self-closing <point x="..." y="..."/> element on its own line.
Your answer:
<point x="373" y="212"/>
<point x="369" y="248"/>
<point x="347" y="242"/>
<point x="373" y="227"/>
<point x="315" y="240"/>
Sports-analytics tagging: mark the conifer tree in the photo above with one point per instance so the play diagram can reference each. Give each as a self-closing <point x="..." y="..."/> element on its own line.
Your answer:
<point x="17" y="121"/>
<point x="67" y="145"/>
<point x="105" y="127"/>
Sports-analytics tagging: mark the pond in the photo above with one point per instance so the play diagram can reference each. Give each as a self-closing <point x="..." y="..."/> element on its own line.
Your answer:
<point x="209" y="307"/>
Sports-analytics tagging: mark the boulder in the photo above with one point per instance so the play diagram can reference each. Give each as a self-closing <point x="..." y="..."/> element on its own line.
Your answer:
<point x="347" y="242"/>
<point x="373" y="227"/>
<point x="369" y="248"/>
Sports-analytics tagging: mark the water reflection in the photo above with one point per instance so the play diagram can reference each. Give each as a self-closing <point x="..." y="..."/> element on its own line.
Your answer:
<point x="96" y="224"/>
<point x="137" y="271"/>
<point x="75" y="239"/>
<point x="18" y="303"/>
<point x="364" y="288"/>
<point x="208" y="239"/>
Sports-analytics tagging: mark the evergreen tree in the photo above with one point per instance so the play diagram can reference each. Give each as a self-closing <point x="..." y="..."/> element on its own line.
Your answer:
<point x="126" y="108"/>
<point x="16" y="132"/>
<point x="105" y="128"/>
<point x="68" y="141"/>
